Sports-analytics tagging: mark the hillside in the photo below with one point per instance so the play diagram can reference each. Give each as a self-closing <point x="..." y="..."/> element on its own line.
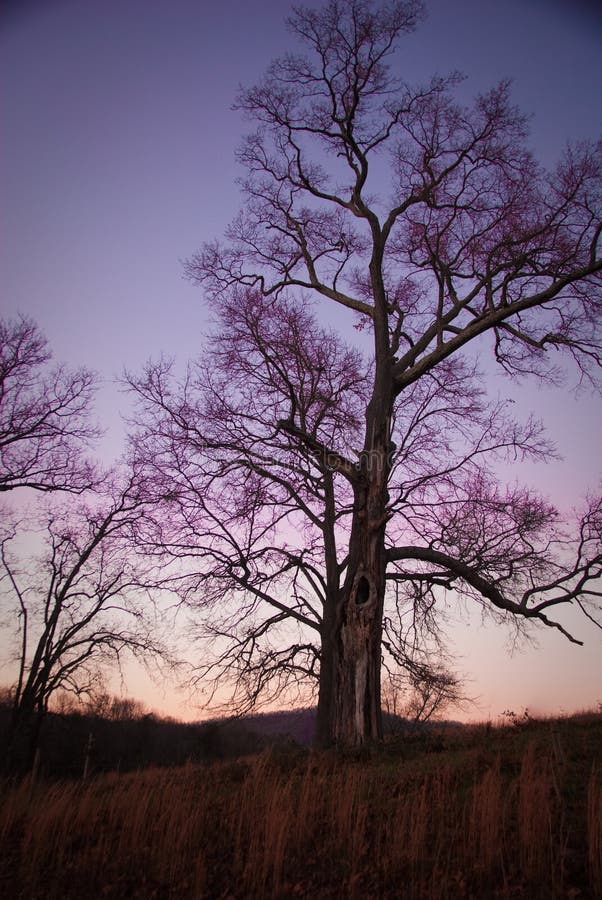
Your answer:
<point x="470" y="812"/>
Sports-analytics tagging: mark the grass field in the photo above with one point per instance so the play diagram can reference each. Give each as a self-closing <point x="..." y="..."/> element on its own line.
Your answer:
<point x="478" y="812"/>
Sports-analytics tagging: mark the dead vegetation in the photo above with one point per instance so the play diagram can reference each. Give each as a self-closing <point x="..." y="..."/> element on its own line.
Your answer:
<point x="487" y="812"/>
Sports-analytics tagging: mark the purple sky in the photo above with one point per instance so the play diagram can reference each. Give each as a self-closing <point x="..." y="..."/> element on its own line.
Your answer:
<point x="117" y="162"/>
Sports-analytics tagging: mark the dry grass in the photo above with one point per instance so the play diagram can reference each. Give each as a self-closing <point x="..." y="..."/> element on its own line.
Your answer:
<point x="518" y="818"/>
<point x="594" y="828"/>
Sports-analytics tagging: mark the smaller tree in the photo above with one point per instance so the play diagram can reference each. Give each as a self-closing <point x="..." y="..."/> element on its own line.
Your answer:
<point x="421" y="693"/>
<point x="45" y="425"/>
<point x="81" y="604"/>
<point x="103" y="705"/>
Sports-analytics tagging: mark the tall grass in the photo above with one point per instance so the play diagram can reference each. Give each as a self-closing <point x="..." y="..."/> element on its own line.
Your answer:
<point x="466" y="824"/>
<point x="594" y="826"/>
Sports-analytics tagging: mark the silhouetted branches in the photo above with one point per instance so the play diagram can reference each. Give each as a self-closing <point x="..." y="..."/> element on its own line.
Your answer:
<point x="345" y="490"/>
<point x="83" y="598"/>
<point x="45" y="426"/>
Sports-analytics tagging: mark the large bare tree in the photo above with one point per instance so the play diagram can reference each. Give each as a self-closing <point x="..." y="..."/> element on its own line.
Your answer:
<point x="342" y="491"/>
<point x="45" y="421"/>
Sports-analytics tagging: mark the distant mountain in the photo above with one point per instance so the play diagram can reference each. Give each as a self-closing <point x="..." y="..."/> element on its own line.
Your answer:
<point x="296" y="724"/>
<point x="299" y="725"/>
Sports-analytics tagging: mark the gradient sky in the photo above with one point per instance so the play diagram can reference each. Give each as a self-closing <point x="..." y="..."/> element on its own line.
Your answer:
<point x="117" y="161"/>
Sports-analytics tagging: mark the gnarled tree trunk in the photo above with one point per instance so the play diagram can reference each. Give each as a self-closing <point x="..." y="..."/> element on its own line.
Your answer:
<point x="349" y="708"/>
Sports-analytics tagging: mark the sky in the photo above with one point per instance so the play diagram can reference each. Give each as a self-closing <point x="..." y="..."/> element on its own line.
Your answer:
<point x="117" y="143"/>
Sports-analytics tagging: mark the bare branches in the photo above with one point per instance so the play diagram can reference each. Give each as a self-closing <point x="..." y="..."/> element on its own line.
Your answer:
<point x="544" y="569"/>
<point x="85" y="599"/>
<point x="45" y="426"/>
<point x="301" y="483"/>
<point x="514" y="251"/>
<point x="339" y="99"/>
<point x="489" y="238"/>
<point x="240" y="459"/>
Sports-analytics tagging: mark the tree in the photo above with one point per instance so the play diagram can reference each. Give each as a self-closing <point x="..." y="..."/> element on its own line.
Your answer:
<point x="419" y="697"/>
<point x="45" y="425"/>
<point x="342" y="491"/>
<point x="81" y="603"/>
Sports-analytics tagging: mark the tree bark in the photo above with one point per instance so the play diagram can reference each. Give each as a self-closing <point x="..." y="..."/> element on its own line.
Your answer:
<point x="357" y="713"/>
<point x="352" y="644"/>
<point x="349" y="707"/>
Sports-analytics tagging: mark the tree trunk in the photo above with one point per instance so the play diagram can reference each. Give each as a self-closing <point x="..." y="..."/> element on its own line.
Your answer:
<point x="352" y="638"/>
<point x="23" y="740"/>
<point x="349" y="710"/>
<point x="357" y="651"/>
